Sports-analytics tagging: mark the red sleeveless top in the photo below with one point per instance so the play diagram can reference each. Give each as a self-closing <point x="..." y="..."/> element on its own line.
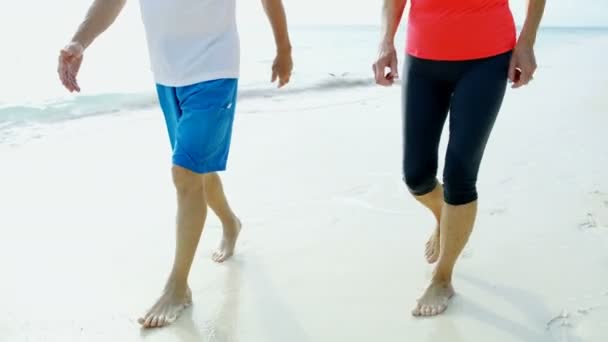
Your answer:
<point x="459" y="29"/>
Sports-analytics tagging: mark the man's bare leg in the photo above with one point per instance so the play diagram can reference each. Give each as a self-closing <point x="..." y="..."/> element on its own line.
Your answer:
<point x="434" y="202"/>
<point x="216" y="199"/>
<point x="191" y="215"/>
<point x="455" y="228"/>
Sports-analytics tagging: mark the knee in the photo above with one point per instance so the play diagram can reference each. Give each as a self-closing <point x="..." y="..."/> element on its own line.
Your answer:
<point x="419" y="182"/>
<point x="186" y="181"/>
<point x="459" y="190"/>
<point x="460" y="181"/>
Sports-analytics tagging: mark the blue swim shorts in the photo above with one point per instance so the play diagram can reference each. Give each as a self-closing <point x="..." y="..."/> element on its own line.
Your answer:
<point x="199" y="119"/>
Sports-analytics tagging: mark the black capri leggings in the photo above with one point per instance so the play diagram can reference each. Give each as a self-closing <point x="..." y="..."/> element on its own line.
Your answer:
<point x="472" y="92"/>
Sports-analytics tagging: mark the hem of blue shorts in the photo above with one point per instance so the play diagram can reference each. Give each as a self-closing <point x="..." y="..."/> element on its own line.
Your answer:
<point x="201" y="169"/>
<point x="198" y="78"/>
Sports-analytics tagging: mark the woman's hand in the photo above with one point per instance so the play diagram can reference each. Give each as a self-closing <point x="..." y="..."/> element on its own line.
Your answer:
<point x="523" y="65"/>
<point x="386" y="59"/>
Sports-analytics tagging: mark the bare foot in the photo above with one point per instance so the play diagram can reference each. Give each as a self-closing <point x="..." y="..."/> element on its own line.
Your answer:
<point x="231" y="234"/>
<point x="432" y="247"/>
<point x="167" y="309"/>
<point x="434" y="301"/>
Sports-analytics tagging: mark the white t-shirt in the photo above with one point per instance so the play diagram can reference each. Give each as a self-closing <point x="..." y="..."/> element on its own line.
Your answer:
<point x="191" y="41"/>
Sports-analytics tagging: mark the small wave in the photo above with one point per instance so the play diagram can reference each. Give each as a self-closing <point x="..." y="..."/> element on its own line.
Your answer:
<point x="329" y="84"/>
<point x="75" y="108"/>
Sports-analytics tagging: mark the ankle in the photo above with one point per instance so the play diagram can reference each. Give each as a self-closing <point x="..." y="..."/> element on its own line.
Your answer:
<point x="230" y="224"/>
<point x="176" y="285"/>
<point x="442" y="278"/>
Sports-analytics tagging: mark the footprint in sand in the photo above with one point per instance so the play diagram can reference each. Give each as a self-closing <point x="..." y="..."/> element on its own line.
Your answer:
<point x="589" y="223"/>
<point x="497" y="211"/>
<point x="362" y="196"/>
<point x="562" y="319"/>
<point x="358" y="190"/>
<point x="597" y="215"/>
<point x="570" y="319"/>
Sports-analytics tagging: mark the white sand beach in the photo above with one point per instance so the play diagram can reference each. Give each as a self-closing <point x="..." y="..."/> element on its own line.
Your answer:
<point x="332" y="246"/>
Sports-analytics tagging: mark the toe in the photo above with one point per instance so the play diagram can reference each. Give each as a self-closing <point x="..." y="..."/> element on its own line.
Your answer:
<point x="154" y="322"/>
<point x="170" y="318"/>
<point x="416" y="312"/>
<point x="441" y="309"/>
<point x="221" y="257"/>
<point x="434" y="311"/>
<point x="161" y="321"/>
<point x="426" y="310"/>
<point x="148" y="321"/>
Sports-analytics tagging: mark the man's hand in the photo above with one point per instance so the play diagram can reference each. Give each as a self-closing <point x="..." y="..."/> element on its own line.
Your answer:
<point x="100" y="16"/>
<point x="386" y="59"/>
<point x="70" y="59"/>
<point x="523" y="65"/>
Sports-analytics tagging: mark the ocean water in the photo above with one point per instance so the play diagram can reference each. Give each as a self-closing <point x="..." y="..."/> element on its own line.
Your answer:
<point x="115" y="75"/>
<point x="113" y="81"/>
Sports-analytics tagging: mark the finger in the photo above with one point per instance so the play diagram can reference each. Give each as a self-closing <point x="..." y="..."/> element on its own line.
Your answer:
<point x="521" y="81"/>
<point x="74" y="84"/>
<point x="512" y="70"/>
<point x="526" y="76"/>
<point x="63" y="75"/>
<point x="517" y="79"/>
<point x="72" y="74"/>
<point x="274" y="75"/>
<point x="379" y="74"/>
<point x="387" y="76"/>
<point x="62" y="70"/>
<point x="66" y="84"/>
<point x="394" y="68"/>
<point x="375" y="71"/>
<point x="283" y="80"/>
<point x="517" y="84"/>
<point x="71" y="79"/>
